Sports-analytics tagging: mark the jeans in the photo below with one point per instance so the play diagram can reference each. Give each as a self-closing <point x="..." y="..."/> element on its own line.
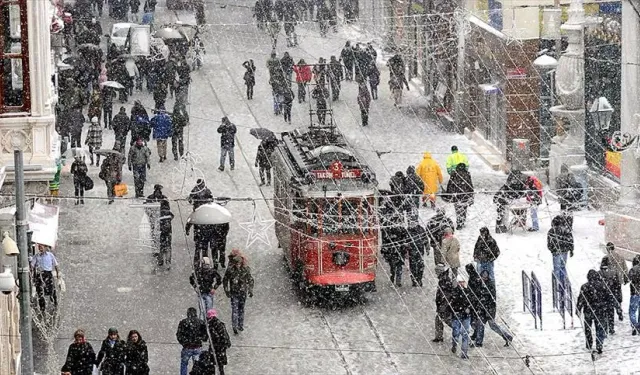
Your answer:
<point x="560" y="266"/>
<point x="139" y="178"/>
<point x="223" y="155"/>
<point x="634" y="306"/>
<point x="107" y="114"/>
<point x="488" y="266"/>
<point x="460" y="327"/>
<point x="494" y="326"/>
<point x="185" y="355"/>
<point x="461" y="214"/>
<point x="364" y="114"/>
<point x="110" y="189"/>
<point x="601" y="334"/>
<point x="396" y="272"/>
<point x="237" y="310"/>
<point x="177" y="143"/>
<point x="534" y="218"/>
<point x="206" y="303"/>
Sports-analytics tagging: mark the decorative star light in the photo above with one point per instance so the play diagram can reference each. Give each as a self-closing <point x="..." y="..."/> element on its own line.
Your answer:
<point x="257" y="229"/>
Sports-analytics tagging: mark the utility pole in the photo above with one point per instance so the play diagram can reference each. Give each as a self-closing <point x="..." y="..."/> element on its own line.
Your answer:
<point x="556" y="3"/>
<point x="26" y="338"/>
<point x="460" y="95"/>
<point x="426" y="46"/>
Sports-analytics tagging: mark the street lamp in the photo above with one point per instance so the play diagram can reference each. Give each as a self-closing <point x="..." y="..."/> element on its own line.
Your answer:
<point x="601" y="112"/>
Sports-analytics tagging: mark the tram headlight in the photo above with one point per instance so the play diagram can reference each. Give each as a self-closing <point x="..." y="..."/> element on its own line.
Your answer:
<point x="341" y="258"/>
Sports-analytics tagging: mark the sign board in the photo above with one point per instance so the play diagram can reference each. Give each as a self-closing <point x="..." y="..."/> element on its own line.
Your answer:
<point x="329" y="174"/>
<point x="140" y="40"/>
<point x="43" y="221"/>
<point x="612" y="160"/>
<point x="516" y="73"/>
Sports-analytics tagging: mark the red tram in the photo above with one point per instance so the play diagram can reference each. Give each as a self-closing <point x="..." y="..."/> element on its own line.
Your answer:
<point x="325" y="209"/>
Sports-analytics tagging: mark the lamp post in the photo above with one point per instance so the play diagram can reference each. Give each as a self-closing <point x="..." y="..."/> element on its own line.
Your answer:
<point x="601" y="112"/>
<point x="546" y="65"/>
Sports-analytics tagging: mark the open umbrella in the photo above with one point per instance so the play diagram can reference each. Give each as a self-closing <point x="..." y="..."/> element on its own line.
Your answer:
<point x="107" y="152"/>
<point x="114" y="84"/>
<point x="168" y="33"/>
<point x="262" y="133"/>
<point x="89" y="46"/>
<point x="210" y="213"/>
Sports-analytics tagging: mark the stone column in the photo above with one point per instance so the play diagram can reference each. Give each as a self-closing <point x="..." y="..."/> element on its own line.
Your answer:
<point x="40" y="57"/>
<point x="622" y="223"/>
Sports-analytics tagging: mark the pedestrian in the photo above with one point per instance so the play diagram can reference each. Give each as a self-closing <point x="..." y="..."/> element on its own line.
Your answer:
<point x="568" y="189"/>
<point x="456" y="158"/>
<point x="395" y="86"/>
<point x="287" y="103"/>
<point x="135" y="8"/>
<point x="107" y="106"/>
<point x="139" y="161"/>
<point x="592" y="305"/>
<point x="238" y="283"/>
<point x="205" y="364"/>
<point x="162" y="130"/>
<point x="364" y="102"/>
<point x="220" y="340"/>
<point x="111" y="172"/>
<point x="320" y="94"/>
<point x="634" y="292"/>
<point x="206" y="280"/>
<point x="140" y="126"/>
<point x="286" y="62"/>
<point x="559" y="243"/>
<point x="431" y="174"/>
<point x="335" y="77"/>
<point x="227" y="131"/>
<point x="513" y="189"/>
<point x="201" y="239"/>
<point x="451" y="251"/>
<point x="42" y="266"/>
<point x="54" y="185"/>
<point x="396" y="184"/>
<point x="121" y="127"/>
<point x="617" y="263"/>
<point x="320" y="72"/>
<point x="249" y="77"/>
<point x="80" y="356"/>
<point x="485" y="252"/>
<point x="486" y="310"/>
<point x="374" y="80"/>
<point x="136" y="355"/>
<point x="200" y="194"/>
<point x="166" y="232"/>
<point x="190" y="334"/>
<point x="444" y="292"/>
<point x="394" y="252"/>
<point x="79" y="171"/>
<point x="460" y="316"/>
<point x="435" y="229"/>
<point x="111" y="356"/>
<point x="613" y="295"/>
<point x="160" y="90"/>
<point x="264" y="164"/>
<point x="76" y="122"/>
<point x="534" y="197"/>
<point x="200" y="15"/>
<point x="217" y="238"/>
<point x="303" y="77"/>
<point x="347" y="57"/>
<point x="413" y="187"/>
<point x="94" y="140"/>
<point x="418" y="246"/>
<point x="132" y="74"/>
<point x="179" y="120"/>
<point x="95" y="106"/>
<point x="460" y="192"/>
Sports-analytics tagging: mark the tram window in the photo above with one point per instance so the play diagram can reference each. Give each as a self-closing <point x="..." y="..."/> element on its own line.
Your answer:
<point x="368" y="216"/>
<point x="314" y="218"/>
<point x="331" y="216"/>
<point x="349" y="215"/>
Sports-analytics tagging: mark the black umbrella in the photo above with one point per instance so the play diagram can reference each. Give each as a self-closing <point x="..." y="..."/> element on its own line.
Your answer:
<point x="262" y="133"/>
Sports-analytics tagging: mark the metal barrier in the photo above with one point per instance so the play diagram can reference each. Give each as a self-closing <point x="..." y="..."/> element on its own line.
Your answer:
<point x="562" y="298"/>
<point x="532" y="297"/>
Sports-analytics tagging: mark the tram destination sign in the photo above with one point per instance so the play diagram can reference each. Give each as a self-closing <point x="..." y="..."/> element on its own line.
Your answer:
<point x="330" y="174"/>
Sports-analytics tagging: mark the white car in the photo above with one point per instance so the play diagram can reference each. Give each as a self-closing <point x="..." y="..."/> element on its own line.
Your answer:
<point x="118" y="35"/>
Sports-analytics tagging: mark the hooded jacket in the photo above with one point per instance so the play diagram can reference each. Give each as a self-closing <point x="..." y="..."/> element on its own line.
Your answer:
<point x="443" y="295"/>
<point x="413" y="184"/>
<point x="460" y="186"/>
<point x="162" y="126"/>
<point x="559" y="237"/>
<point x="634" y="277"/>
<point x="137" y="356"/>
<point x="200" y="194"/>
<point x="237" y="280"/>
<point x="486" y="248"/>
<point x="191" y="330"/>
<point x="592" y="300"/>
<point x="430" y="173"/>
<point x="227" y="132"/>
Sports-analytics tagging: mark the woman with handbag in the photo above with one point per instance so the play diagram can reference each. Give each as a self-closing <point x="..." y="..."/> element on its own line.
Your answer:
<point x="111" y="172"/>
<point x="79" y="171"/>
<point x="94" y="140"/>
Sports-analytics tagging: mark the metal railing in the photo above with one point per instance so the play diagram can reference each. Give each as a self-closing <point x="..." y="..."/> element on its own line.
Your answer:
<point x="562" y="298"/>
<point x="532" y="297"/>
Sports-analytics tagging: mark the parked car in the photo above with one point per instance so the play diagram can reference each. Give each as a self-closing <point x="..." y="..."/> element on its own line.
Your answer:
<point x="118" y="35"/>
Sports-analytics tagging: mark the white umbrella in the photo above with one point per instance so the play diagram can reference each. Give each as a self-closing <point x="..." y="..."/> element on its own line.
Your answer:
<point x="210" y="213"/>
<point x="114" y="84"/>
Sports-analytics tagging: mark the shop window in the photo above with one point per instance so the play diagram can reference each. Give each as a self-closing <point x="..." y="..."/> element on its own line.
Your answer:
<point x="14" y="58"/>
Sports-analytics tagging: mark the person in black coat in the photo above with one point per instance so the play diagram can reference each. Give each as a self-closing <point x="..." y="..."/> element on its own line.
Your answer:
<point x="614" y="293"/>
<point x="121" y="127"/>
<point x="200" y="194"/>
<point x="190" y="334"/>
<point x="218" y="241"/>
<point x="443" y="311"/>
<point x="249" y="77"/>
<point x="485" y="252"/>
<point x="206" y="281"/>
<point x="568" y="189"/>
<point x="112" y="354"/>
<point x="460" y="316"/>
<point x="205" y="365"/>
<point x="287" y="104"/>
<point x="80" y="356"/>
<point x="374" y="80"/>
<point x="559" y="243"/>
<point x="397" y="185"/>
<point x="263" y="163"/>
<point x="514" y="188"/>
<point x="485" y="294"/>
<point x="592" y="303"/>
<point x="346" y="55"/>
<point x="435" y="230"/>
<point x="460" y="192"/>
<point x="166" y="234"/>
<point x="76" y="122"/>
<point x="220" y="340"/>
<point x="394" y="251"/>
<point x="418" y="245"/>
<point x="137" y="356"/>
<point x="413" y="186"/>
<point x="227" y="131"/>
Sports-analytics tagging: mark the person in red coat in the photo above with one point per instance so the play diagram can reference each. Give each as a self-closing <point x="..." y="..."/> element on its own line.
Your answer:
<point x="303" y="76"/>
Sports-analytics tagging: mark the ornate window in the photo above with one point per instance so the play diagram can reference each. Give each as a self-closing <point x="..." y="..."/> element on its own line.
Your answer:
<point x="14" y="58"/>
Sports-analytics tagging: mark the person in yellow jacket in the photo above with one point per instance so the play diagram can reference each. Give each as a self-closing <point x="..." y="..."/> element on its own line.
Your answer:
<point x="431" y="174"/>
<point x="456" y="158"/>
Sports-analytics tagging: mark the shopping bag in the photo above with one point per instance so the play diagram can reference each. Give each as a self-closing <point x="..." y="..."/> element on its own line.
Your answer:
<point x="95" y="371"/>
<point x="88" y="183"/>
<point x="120" y="190"/>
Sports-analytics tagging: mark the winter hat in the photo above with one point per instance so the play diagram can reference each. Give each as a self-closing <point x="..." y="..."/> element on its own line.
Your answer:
<point x="94" y="120"/>
<point x="454" y="148"/>
<point x="157" y="187"/>
<point x="448" y="230"/>
<point x="610" y="246"/>
<point x="605" y="263"/>
<point x="211" y="313"/>
<point x="113" y="331"/>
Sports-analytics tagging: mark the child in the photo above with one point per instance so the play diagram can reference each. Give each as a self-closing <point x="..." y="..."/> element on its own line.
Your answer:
<point x="249" y="77"/>
<point x="94" y="139"/>
<point x="79" y="171"/>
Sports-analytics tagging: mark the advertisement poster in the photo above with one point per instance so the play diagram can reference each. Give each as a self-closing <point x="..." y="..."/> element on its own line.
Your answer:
<point x="612" y="162"/>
